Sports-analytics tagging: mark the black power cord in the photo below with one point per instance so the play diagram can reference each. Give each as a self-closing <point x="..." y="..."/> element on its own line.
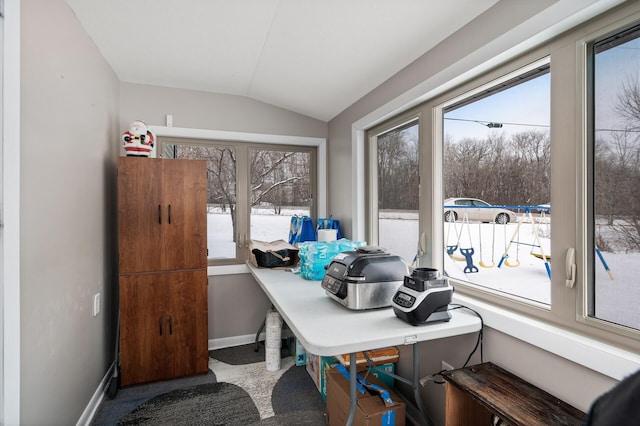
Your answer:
<point x="453" y="307"/>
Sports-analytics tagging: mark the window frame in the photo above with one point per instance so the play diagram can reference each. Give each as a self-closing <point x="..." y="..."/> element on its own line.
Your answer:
<point x="244" y="142"/>
<point x="585" y="259"/>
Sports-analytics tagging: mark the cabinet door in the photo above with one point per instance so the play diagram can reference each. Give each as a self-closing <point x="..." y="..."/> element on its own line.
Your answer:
<point x="184" y="244"/>
<point x="142" y="328"/>
<point x="187" y="341"/>
<point x="139" y="214"/>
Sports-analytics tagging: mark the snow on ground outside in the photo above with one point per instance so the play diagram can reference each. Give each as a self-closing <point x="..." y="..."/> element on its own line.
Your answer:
<point x="617" y="300"/>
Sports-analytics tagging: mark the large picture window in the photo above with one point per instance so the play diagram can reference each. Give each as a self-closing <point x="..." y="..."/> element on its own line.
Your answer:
<point x="528" y="190"/>
<point x="497" y="186"/>
<point x="614" y="146"/>
<point x="253" y="191"/>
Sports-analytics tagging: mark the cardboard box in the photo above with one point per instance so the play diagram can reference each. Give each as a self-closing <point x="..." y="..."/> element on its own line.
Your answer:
<point x="298" y="353"/>
<point x="370" y="408"/>
<point x="317" y="367"/>
<point x="388" y="355"/>
<point x="386" y="380"/>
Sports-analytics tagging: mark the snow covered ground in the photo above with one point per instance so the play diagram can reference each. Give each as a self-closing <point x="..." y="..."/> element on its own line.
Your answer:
<point x="521" y="273"/>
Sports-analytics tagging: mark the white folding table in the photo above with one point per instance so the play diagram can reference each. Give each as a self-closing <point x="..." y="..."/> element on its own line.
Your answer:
<point x="326" y="328"/>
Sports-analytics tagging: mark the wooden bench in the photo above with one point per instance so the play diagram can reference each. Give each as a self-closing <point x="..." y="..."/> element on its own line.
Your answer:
<point x="482" y="394"/>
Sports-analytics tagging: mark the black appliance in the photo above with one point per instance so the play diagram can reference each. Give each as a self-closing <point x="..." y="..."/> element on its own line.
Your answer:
<point x="423" y="297"/>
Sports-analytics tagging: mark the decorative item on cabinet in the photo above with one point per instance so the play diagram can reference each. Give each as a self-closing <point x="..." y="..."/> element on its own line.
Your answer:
<point x="138" y="141"/>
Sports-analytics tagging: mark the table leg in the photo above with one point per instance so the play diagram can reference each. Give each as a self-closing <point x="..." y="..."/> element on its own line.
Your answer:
<point x="416" y="384"/>
<point x="352" y="389"/>
<point x="264" y="321"/>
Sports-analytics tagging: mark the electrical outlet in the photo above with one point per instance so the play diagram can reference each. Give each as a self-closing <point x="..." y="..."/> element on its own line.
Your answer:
<point x="96" y="304"/>
<point x="446" y="366"/>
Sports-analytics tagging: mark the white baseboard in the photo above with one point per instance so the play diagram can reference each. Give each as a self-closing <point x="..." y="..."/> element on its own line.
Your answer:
<point x="228" y="342"/>
<point x="90" y="411"/>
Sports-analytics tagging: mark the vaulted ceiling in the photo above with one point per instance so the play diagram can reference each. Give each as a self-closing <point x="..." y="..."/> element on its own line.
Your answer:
<point x="314" y="57"/>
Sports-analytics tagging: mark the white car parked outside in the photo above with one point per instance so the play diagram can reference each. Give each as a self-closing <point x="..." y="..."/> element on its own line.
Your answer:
<point x="476" y="210"/>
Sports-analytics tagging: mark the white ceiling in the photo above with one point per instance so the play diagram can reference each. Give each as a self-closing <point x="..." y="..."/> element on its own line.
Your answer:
<point x="314" y="57"/>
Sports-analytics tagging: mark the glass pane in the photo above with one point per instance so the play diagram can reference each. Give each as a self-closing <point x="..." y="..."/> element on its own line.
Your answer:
<point x="398" y="191"/>
<point x="280" y="188"/>
<point x="497" y="169"/>
<point x="221" y="195"/>
<point x="615" y="294"/>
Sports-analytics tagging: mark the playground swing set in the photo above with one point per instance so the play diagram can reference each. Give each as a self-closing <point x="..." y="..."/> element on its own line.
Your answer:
<point x="536" y="236"/>
<point x="468" y="252"/>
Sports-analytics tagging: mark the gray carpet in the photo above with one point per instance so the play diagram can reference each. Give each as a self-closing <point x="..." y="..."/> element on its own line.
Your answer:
<point x="237" y="391"/>
<point x="245" y="354"/>
<point x="209" y="404"/>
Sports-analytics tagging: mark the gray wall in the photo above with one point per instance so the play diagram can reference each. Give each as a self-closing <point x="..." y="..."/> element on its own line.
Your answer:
<point x="211" y="111"/>
<point x="69" y="125"/>
<point x="237" y="306"/>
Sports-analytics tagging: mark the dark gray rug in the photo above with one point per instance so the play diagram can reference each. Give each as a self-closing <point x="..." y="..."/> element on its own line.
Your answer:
<point x="209" y="404"/>
<point x="245" y="354"/>
<point x="236" y="395"/>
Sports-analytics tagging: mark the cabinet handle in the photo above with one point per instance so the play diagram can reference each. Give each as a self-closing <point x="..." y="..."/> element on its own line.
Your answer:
<point x="159" y="215"/>
<point x="160" y="322"/>
<point x="169" y="213"/>
<point x="170" y="324"/>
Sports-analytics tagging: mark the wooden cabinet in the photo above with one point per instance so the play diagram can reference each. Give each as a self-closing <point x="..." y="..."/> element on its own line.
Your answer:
<point x="163" y="331"/>
<point x="163" y="275"/>
<point x="486" y="394"/>
<point x="162" y="217"/>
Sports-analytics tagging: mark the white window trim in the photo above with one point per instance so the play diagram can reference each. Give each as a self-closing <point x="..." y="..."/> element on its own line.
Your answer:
<point x="321" y="165"/>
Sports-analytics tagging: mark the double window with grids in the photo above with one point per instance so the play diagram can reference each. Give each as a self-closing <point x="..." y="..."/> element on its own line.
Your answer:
<point x="253" y="191"/>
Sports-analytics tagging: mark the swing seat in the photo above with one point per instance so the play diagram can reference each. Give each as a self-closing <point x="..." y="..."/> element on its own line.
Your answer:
<point x="540" y="256"/>
<point x="484" y="265"/>
<point x="468" y="255"/>
<point x="512" y="265"/>
<point x="450" y="250"/>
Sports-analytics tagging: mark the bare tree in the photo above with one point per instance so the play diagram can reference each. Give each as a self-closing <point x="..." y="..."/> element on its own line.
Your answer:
<point x="501" y="171"/>
<point x="277" y="177"/>
<point x="628" y="102"/>
<point x="617" y="168"/>
<point x="533" y="150"/>
<point x="398" y="174"/>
